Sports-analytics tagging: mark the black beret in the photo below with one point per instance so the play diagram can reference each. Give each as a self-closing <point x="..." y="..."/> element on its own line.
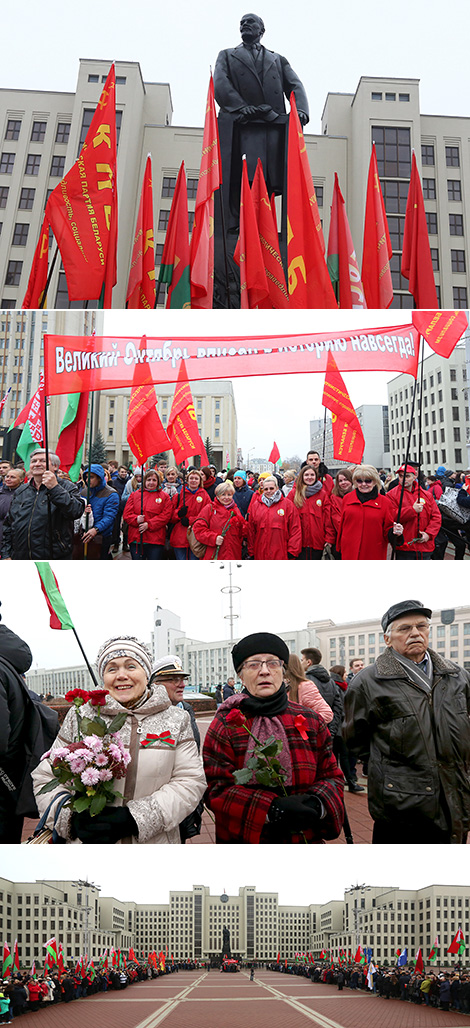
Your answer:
<point x="259" y="642"/>
<point x="398" y="610"/>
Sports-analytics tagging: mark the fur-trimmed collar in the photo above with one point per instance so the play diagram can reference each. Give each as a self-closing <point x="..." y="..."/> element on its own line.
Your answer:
<point x="388" y="666"/>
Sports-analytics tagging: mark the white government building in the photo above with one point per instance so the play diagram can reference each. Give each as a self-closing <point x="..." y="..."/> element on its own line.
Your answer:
<point x="191" y="923"/>
<point x="41" y="134"/>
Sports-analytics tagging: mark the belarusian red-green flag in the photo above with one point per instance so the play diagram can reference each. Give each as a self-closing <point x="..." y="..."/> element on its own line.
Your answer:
<point x="341" y="259"/>
<point x="433" y="954"/>
<point x="7" y="961"/>
<point x="16" y="959"/>
<point x="72" y="434"/>
<point x="51" y="947"/>
<point x="174" y="268"/>
<point x="359" y="957"/>
<point x="60" y="617"/>
<point x="419" y="966"/>
<point x="457" y="945"/>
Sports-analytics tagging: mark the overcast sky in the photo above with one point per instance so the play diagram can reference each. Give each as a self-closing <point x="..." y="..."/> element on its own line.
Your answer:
<point x="329" y="48"/>
<point x="104" y="600"/>
<point x="320" y="875"/>
<point x="272" y="407"/>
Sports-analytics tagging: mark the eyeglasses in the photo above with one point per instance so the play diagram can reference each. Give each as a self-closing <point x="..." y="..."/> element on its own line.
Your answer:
<point x="364" y="481"/>
<point x="256" y="665"/>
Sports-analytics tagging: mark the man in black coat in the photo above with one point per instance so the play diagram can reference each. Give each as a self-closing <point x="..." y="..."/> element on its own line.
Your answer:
<point x="13" y="703"/>
<point x="42" y="512"/>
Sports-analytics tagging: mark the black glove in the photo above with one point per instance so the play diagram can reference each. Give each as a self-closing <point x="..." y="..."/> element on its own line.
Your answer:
<point x="108" y="827"/>
<point x="182" y="513"/>
<point x="295" y="812"/>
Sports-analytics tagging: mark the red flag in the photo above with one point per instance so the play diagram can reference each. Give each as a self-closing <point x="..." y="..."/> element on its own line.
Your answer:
<point x="341" y="261"/>
<point x="416" y="260"/>
<point x="309" y="281"/>
<point x="82" y="209"/>
<point x="348" y="440"/>
<point x="202" y="239"/>
<point x="267" y="229"/>
<point x="183" y="433"/>
<point x="458" y="943"/>
<point x="174" y="268"/>
<point x="145" y="432"/>
<point x="248" y="255"/>
<point x="377" y="248"/>
<point x="278" y="957"/>
<point x="419" y="966"/>
<point x="38" y="275"/>
<point x="141" y="285"/>
<point x="441" y="329"/>
<point x="16" y="959"/>
<point x="274" y="455"/>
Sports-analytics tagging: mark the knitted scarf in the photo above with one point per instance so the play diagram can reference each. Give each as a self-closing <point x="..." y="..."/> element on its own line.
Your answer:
<point x="266" y="723"/>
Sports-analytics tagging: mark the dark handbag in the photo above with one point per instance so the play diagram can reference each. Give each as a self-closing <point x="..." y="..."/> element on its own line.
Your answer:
<point x="43" y="835"/>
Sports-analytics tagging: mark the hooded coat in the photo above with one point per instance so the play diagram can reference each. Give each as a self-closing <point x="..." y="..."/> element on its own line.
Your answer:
<point x="330" y="692"/>
<point x="419" y="741"/>
<point x="162" y="786"/>
<point x="104" y="502"/>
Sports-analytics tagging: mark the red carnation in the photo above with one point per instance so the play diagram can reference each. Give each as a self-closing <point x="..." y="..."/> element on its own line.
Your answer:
<point x="235" y="717"/>
<point x="97" y="698"/>
<point x="300" y="721"/>
<point x="74" y="695"/>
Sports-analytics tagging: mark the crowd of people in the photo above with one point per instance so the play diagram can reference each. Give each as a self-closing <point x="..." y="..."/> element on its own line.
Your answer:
<point x="200" y="514"/>
<point x="447" y="990"/>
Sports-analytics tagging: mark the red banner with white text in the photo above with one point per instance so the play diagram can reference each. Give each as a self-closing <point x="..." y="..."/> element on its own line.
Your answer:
<point x="71" y="366"/>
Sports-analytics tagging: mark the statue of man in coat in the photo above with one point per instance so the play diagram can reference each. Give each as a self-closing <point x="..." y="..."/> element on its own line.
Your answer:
<point x="250" y="83"/>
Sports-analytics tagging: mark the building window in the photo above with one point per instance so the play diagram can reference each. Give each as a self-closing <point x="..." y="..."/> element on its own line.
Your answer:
<point x="57" y="167"/>
<point x="7" y="161"/>
<point x="458" y="460"/>
<point x="395" y="195"/>
<point x="63" y="132"/>
<point x="460" y="297"/>
<point x="390" y="96"/>
<point x="26" y="199"/>
<point x="192" y="188"/>
<point x="93" y="78"/>
<point x="456" y="224"/>
<point x="168" y="186"/>
<point x="4" y="195"/>
<point x="396" y="228"/>
<point x="158" y="253"/>
<point x="120" y="80"/>
<point x="404" y="98"/>
<point x="33" y="161"/>
<point x="429" y="188"/>
<point x="191" y="220"/>
<point x="20" y="234"/>
<point x="427" y="154"/>
<point x="13" y="129"/>
<point x="319" y="195"/>
<point x="13" y="273"/>
<point x="452" y="157"/>
<point x="86" y="122"/>
<point x="454" y="189"/>
<point x="431" y="221"/>
<point x="376" y="96"/>
<point x="435" y="258"/>
<point x="38" y="131"/>
<point x="163" y="218"/>
<point x="393" y="148"/>
<point x="62" y="302"/>
<point x="458" y="260"/>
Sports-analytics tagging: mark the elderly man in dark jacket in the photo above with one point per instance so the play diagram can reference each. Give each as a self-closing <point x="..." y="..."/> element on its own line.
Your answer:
<point x="15" y="659"/>
<point x="411" y="708"/>
<point x="42" y="514"/>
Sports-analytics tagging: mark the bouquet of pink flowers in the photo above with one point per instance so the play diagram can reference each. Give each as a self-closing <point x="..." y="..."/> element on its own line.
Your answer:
<point x="90" y="766"/>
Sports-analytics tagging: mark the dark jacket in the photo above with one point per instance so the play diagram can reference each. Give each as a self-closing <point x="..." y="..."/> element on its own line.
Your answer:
<point x="331" y="692"/>
<point x="419" y="742"/>
<point x="12" y="704"/>
<point x="26" y="527"/>
<point x="104" y="501"/>
<point x="242" y="497"/>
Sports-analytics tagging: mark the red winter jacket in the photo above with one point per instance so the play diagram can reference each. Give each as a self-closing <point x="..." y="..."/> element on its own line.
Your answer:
<point x="240" y="810"/>
<point x="364" y="528"/>
<point x="158" y="511"/>
<point x="195" y="502"/>
<point x="313" y="518"/>
<point x="209" y="525"/>
<point x="429" y="519"/>
<point x="335" y="511"/>
<point x="274" y="531"/>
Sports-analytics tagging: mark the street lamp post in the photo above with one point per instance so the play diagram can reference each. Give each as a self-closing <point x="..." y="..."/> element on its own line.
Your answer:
<point x="84" y="886"/>
<point x="230" y="590"/>
<point x="357" y="889"/>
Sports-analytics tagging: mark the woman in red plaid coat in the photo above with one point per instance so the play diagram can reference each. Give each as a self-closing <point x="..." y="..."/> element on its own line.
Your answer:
<point x="299" y="797"/>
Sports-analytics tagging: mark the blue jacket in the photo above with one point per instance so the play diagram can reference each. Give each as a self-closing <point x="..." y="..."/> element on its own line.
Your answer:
<point x="242" y="498"/>
<point x="104" y="501"/>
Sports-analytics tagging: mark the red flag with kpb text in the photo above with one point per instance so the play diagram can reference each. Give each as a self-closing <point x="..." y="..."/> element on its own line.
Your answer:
<point x="348" y="440"/>
<point x="441" y="329"/>
<point x="82" y="209"/>
<point x="141" y="284"/>
<point x="309" y="281"/>
<point x="416" y="260"/>
<point x="145" y="432"/>
<point x="183" y="432"/>
<point x="265" y="212"/>
<point x="341" y="260"/>
<point x="38" y="276"/>
<point x="202" y="238"/>
<point x="377" y="248"/>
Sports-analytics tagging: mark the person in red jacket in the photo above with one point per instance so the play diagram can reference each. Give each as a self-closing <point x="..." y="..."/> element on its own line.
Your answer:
<point x="274" y="531"/>
<point x="420" y="516"/>
<point x="148" y="528"/>
<point x="343" y="486"/>
<point x="192" y="499"/>
<point x="311" y="499"/>
<point x="223" y="527"/>
<point x="367" y="523"/>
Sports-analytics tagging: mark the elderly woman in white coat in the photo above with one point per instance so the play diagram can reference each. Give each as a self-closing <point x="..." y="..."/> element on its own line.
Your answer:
<point x="163" y="783"/>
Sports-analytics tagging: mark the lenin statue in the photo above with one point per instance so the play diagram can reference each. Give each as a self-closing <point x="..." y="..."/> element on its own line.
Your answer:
<point x="250" y="83"/>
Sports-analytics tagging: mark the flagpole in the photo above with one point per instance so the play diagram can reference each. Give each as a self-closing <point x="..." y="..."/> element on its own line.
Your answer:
<point x="420" y="419"/>
<point x="46" y="287"/>
<point x="92" y="407"/>
<point x="407" y="454"/>
<point x="48" y="492"/>
<point x="224" y="241"/>
<point x="142" y="509"/>
<point x="324" y="437"/>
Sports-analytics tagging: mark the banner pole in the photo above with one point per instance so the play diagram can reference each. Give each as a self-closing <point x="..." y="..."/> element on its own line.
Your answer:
<point x="48" y="492"/>
<point x="46" y="287"/>
<point x="92" y="410"/>
<point x="407" y="453"/>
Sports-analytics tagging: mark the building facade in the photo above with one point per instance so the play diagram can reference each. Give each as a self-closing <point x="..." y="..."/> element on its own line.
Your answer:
<point x="42" y="132"/>
<point x="445" y="413"/>
<point x="373" y="419"/>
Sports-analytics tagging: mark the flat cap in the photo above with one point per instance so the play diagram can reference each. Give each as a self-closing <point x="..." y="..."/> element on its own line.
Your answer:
<point x="398" y="610"/>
